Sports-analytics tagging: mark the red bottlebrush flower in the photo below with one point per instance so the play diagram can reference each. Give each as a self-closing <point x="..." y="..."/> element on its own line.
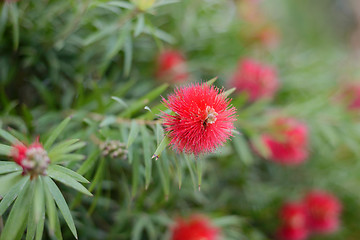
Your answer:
<point x="171" y="67"/>
<point x="259" y="81"/>
<point x="287" y="141"/>
<point x="323" y="211"/>
<point x="202" y="120"/>
<point x="18" y="152"/>
<point x="196" y="228"/>
<point x="33" y="159"/>
<point x="293" y="222"/>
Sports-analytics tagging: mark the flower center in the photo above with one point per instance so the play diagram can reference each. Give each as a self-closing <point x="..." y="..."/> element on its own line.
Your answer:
<point x="36" y="161"/>
<point x="210" y="115"/>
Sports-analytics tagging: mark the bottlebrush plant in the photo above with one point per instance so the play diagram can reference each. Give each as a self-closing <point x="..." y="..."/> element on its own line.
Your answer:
<point x="162" y="142"/>
<point x="28" y="182"/>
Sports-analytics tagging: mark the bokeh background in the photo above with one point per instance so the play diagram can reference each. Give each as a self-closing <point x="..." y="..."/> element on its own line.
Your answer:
<point x="99" y="62"/>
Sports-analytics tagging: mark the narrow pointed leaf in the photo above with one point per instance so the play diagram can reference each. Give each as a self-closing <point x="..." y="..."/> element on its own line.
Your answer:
<point x="9" y="167"/>
<point x="163" y="144"/>
<point x="89" y="162"/>
<point x="56" y="132"/>
<point x="8" y="181"/>
<point x="147" y="154"/>
<point x="61" y="203"/>
<point x="8" y="137"/>
<point x="212" y="81"/>
<point x="62" y="147"/>
<point x="18" y="215"/>
<point x="228" y="92"/>
<point x="67" y="180"/>
<point x="142" y="102"/>
<point x="12" y="194"/>
<point x="69" y="172"/>
<point x="134" y="131"/>
<point x="5" y="150"/>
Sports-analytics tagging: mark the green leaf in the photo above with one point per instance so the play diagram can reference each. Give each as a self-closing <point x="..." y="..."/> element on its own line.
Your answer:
<point x="164" y="179"/>
<point x="5" y="150"/>
<point x="56" y="132"/>
<point x="139" y="25"/>
<point x="228" y="92"/>
<point x="89" y="162"/>
<point x="178" y="164"/>
<point x="98" y="35"/>
<point x="61" y="147"/>
<point x="14" y="17"/>
<point x="147" y="154"/>
<point x="8" y="137"/>
<point x="212" y="81"/>
<point x="139" y="104"/>
<point x="9" y="180"/>
<point x="190" y="166"/>
<point x="120" y="101"/>
<point x="134" y="131"/>
<point x="135" y="174"/>
<point x="3" y="19"/>
<point x="242" y="149"/>
<point x="67" y="158"/>
<point x="39" y="201"/>
<point x="12" y="194"/>
<point x="31" y="223"/>
<point x="199" y="168"/>
<point x="98" y="175"/>
<point x="9" y="167"/>
<point x="40" y="226"/>
<point x="18" y="215"/>
<point x="163" y="144"/>
<point x="128" y="55"/>
<point x="61" y="203"/>
<point x="69" y="172"/>
<point x="67" y="180"/>
<point x="163" y="3"/>
<point x="121" y="4"/>
<point x="50" y="210"/>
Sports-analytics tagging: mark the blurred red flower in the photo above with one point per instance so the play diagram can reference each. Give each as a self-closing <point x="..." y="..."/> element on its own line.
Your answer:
<point x="258" y="80"/>
<point x="293" y="222"/>
<point x="286" y="141"/>
<point x="323" y="211"/>
<point x="171" y="67"/>
<point x="195" y="228"/>
<point x="202" y="120"/>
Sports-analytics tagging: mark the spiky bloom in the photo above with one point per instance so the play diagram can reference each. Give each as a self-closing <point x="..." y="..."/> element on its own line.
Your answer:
<point x="195" y="228"/>
<point x="171" y="67"/>
<point x="287" y="141"/>
<point x="257" y="80"/>
<point x="293" y="222"/>
<point x="202" y="120"/>
<point x="323" y="211"/>
<point x="33" y="159"/>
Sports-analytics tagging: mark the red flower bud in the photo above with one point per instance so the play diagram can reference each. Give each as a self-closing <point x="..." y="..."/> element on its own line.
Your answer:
<point x="171" y="67"/>
<point x="196" y="228"/>
<point x="323" y="210"/>
<point x="257" y="80"/>
<point x="286" y="141"/>
<point x="293" y="222"/>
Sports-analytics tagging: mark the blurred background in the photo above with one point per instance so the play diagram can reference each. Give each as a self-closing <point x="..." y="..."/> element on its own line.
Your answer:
<point x="105" y="62"/>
